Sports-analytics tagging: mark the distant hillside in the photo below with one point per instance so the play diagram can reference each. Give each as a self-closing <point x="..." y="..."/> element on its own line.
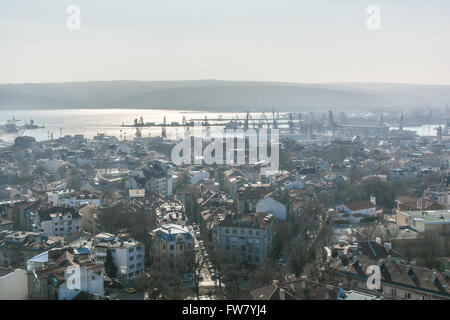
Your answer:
<point x="214" y="95"/>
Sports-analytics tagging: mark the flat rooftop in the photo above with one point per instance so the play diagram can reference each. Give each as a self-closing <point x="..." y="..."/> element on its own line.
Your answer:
<point x="431" y="216"/>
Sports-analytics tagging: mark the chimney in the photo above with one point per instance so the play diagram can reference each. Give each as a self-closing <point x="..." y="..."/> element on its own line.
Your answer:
<point x="373" y="199"/>
<point x="387" y="247"/>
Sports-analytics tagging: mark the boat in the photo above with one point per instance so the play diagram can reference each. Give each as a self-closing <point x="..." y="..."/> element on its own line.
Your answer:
<point x="31" y="125"/>
<point x="9" y="131"/>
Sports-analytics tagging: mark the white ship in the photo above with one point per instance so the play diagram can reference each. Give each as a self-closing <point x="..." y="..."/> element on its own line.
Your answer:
<point x="9" y="131"/>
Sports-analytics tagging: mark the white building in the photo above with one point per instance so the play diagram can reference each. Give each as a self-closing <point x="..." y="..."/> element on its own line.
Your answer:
<point x="128" y="254"/>
<point x="57" y="221"/>
<point x="67" y="198"/>
<point x="13" y="284"/>
<point x="354" y="212"/>
<point x="272" y="206"/>
<point x="57" y="198"/>
<point x="62" y="274"/>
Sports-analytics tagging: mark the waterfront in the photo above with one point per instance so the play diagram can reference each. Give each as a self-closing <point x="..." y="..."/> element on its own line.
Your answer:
<point x="89" y="122"/>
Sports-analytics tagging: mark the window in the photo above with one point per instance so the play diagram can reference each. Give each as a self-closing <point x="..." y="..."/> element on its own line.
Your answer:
<point x="172" y="247"/>
<point x="131" y="258"/>
<point x="234" y="231"/>
<point x="355" y="284"/>
<point x="227" y="230"/>
<point x="250" y="232"/>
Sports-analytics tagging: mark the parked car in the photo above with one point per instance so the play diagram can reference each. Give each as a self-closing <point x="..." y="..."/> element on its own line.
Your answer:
<point x="130" y="290"/>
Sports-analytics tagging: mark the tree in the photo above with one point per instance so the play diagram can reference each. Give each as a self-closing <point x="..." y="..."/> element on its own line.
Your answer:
<point x="110" y="267"/>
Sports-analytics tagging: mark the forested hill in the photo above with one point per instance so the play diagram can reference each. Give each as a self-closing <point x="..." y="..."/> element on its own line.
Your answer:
<point x="215" y="95"/>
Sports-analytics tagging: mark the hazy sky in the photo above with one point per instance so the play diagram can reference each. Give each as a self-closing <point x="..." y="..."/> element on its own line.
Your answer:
<point x="274" y="40"/>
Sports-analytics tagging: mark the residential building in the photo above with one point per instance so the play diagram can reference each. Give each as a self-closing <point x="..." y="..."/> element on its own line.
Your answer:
<point x="303" y="289"/>
<point x="405" y="203"/>
<point x="56" y="221"/>
<point x="63" y="274"/>
<point x="128" y="255"/>
<point x="249" y="195"/>
<point x="272" y="206"/>
<point x="399" y="280"/>
<point x="18" y="246"/>
<point x="354" y="212"/>
<point x="171" y="241"/>
<point x="436" y="221"/>
<point x="247" y="234"/>
<point x="13" y="284"/>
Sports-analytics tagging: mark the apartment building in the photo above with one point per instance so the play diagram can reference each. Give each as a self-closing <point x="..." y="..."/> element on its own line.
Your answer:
<point x="56" y="221"/>
<point x="399" y="280"/>
<point x="18" y="246"/>
<point x="437" y="221"/>
<point x="128" y="255"/>
<point x="249" y="195"/>
<point x="170" y="241"/>
<point x="63" y="274"/>
<point x="158" y="177"/>
<point x="247" y="234"/>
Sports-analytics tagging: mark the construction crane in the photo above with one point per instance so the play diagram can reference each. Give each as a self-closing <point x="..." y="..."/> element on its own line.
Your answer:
<point x="313" y="121"/>
<point x="291" y="124"/>
<point x="300" y="121"/>
<point x="275" y="124"/>
<point x="164" y="129"/>
<point x="261" y="121"/>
